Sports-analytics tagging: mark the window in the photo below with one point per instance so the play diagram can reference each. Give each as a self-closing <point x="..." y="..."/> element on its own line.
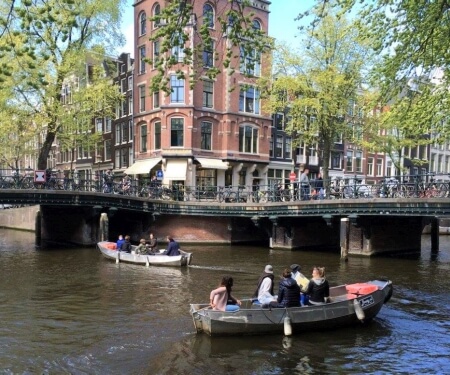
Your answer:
<point x="156" y="51"/>
<point x="141" y="98"/>
<point x="176" y="132"/>
<point x="208" y="93"/>
<point x="118" y="133"/>
<point x="249" y="100"/>
<point x="156" y="13"/>
<point x="117" y="158"/>
<point x="143" y="138"/>
<point x="208" y="55"/>
<point x="158" y="135"/>
<point x="248" y="139"/>
<point x="178" y="48"/>
<point x="250" y="62"/>
<point x="130" y="83"/>
<point x="271" y="146"/>
<point x="130" y="104"/>
<point x="256" y="25"/>
<point x="142" y="23"/>
<point x="279" y="147"/>
<point x="335" y="160"/>
<point x="206" y="130"/>
<point x="379" y="167"/>
<point x="370" y="166"/>
<point x="177" y="87"/>
<point x="98" y="125"/>
<point x="123" y="85"/>
<point x="278" y="119"/>
<point x="358" y="162"/>
<point x="125" y="135"/>
<point x="108" y="125"/>
<point x="208" y="15"/>
<point x="156" y="99"/>
<point x="349" y="163"/>
<point x="108" y="149"/>
<point x="141" y="59"/>
<point x="288" y="150"/>
<point x="124" y="157"/>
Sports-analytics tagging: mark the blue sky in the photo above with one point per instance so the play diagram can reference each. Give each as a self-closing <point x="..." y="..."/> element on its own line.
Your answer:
<point x="281" y="22"/>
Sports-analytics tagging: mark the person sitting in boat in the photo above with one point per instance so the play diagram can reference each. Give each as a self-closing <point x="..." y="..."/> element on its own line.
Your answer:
<point x="222" y="299"/>
<point x="142" y="248"/>
<point x="302" y="282"/>
<point x="126" y="246"/>
<point x="318" y="289"/>
<point x="120" y="241"/>
<point x="264" y="290"/>
<point x="152" y="244"/>
<point x="173" y="248"/>
<point x="288" y="293"/>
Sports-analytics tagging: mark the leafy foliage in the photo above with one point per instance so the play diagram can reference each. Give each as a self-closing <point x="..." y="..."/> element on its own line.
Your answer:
<point x="316" y="85"/>
<point x="184" y="37"/>
<point x="42" y="43"/>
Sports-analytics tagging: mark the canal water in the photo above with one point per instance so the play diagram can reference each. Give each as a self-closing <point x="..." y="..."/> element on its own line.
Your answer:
<point x="72" y="311"/>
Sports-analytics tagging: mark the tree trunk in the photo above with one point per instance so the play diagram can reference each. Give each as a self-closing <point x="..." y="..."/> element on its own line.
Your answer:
<point x="45" y="150"/>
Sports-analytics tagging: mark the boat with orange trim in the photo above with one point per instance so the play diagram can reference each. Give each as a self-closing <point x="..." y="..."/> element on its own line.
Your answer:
<point x="349" y="305"/>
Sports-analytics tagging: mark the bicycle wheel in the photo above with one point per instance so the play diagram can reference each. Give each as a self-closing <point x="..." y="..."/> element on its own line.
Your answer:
<point x="166" y="194"/>
<point x="220" y="196"/>
<point x="231" y="197"/>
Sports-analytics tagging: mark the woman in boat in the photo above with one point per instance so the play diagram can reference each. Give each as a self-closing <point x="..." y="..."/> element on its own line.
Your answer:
<point x="318" y="288"/>
<point x="288" y="292"/>
<point x="152" y="244"/>
<point x="218" y="298"/>
<point x="173" y="248"/>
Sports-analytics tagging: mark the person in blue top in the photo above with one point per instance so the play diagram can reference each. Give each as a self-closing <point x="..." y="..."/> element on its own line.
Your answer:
<point x="120" y="241"/>
<point x="173" y="248"/>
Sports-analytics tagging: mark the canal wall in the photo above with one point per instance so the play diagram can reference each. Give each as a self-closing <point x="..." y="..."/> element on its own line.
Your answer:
<point x="21" y="218"/>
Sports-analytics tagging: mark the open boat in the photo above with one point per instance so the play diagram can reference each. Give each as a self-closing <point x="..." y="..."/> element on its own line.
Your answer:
<point x="350" y="305"/>
<point x="109" y="251"/>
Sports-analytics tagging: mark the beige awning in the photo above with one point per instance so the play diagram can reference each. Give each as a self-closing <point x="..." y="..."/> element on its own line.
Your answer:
<point x="142" y="166"/>
<point x="176" y="169"/>
<point x="212" y="163"/>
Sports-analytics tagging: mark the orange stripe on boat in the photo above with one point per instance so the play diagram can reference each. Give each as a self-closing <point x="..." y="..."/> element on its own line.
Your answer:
<point x="361" y="288"/>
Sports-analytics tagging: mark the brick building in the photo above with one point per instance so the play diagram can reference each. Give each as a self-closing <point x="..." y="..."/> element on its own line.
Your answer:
<point x="213" y="134"/>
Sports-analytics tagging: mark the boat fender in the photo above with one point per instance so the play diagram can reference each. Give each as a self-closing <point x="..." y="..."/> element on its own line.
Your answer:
<point x="359" y="310"/>
<point x="287" y="326"/>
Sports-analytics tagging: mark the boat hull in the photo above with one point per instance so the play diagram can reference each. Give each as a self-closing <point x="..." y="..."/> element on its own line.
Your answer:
<point x="154" y="260"/>
<point x="253" y="320"/>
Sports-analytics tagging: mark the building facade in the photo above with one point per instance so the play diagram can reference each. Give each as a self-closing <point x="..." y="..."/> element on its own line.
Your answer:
<point x="212" y="134"/>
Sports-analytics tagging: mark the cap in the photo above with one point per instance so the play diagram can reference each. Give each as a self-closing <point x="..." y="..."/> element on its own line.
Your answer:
<point x="295" y="267"/>
<point x="268" y="269"/>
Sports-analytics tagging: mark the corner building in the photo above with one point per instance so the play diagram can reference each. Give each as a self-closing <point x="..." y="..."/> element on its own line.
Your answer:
<point x="215" y="134"/>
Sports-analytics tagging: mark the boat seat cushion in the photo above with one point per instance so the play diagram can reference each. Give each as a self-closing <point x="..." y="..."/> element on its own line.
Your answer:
<point x="361" y="288"/>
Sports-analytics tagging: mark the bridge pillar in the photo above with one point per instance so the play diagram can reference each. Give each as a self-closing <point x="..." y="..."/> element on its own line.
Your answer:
<point x="38" y="228"/>
<point x="384" y="234"/>
<point x="434" y="235"/>
<point x="104" y="227"/>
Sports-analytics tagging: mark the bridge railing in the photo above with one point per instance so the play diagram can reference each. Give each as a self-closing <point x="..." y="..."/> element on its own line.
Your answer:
<point x="419" y="186"/>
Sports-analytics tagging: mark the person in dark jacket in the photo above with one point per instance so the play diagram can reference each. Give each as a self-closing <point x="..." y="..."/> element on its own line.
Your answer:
<point x="173" y="248"/>
<point x="288" y="292"/>
<point x="126" y="245"/>
<point x="318" y="288"/>
<point x="152" y="244"/>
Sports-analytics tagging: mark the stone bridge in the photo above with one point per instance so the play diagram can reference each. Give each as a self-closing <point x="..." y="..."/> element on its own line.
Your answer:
<point x="351" y="226"/>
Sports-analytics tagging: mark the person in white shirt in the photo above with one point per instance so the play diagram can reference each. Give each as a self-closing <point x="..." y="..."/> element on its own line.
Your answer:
<point x="264" y="290"/>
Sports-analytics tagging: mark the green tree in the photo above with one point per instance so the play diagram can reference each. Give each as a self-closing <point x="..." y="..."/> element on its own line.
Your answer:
<point x="411" y="77"/>
<point x="41" y="44"/>
<point x="183" y="38"/>
<point x="317" y="83"/>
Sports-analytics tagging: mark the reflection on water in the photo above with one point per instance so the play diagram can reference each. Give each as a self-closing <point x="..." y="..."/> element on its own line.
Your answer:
<point x="72" y="311"/>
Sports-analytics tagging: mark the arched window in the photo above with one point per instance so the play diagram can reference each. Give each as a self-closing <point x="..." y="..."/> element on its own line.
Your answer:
<point x="142" y="23"/>
<point x="208" y="15"/>
<point x="156" y="12"/>
<point x="256" y="25"/>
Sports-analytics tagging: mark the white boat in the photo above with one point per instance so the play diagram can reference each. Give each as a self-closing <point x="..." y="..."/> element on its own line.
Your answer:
<point x="350" y="305"/>
<point x="109" y="251"/>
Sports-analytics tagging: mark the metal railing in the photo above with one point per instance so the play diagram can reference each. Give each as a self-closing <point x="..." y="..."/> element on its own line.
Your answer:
<point x="420" y="186"/>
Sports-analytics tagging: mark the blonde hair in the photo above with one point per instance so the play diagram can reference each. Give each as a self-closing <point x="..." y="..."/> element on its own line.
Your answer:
<point x="320" y="270"/>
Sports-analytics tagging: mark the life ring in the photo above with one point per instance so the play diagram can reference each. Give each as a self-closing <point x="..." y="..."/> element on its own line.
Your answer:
<point x="361" y="288"/>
